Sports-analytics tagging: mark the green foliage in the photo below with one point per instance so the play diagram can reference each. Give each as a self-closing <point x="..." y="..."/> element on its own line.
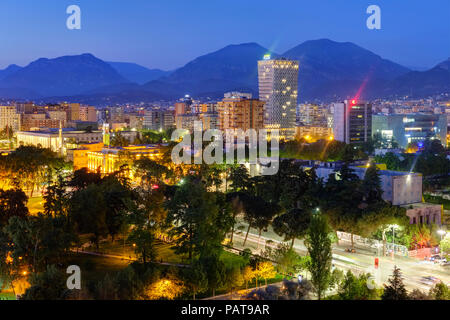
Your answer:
<point x="150" y="171"/>
<point x="395" y="290"/>
<point x="88" y="212"/>
<point x="318" y="244"/>
<point x="357" y="288"/>
<point x="288" y="262"/>
<point x="215" y="271"/>
<point x="196" y="278"/>
<point x="56" y="197"/>
<point x="101" y="208"/>
<point x="233" y="278"/>
<point x="320" y="150"/>
<point x="13" y="203"/>
<point x="199" y="219"/>
<point x="29" y="166"/>
<point x="431" y="161"/>
<point x="445" y="243"/>
<point x="39" y="240"/>
<point x="440" y="291"/>
<point x="144" y="241"/>
<point x="241" y="180"/>
<point x="118" y="140"/>
<point x="48" y="285"/>
<point x="292" y="224"/>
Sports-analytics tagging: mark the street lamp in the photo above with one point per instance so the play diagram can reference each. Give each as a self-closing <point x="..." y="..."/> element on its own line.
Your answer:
<point x="442" y="233"/>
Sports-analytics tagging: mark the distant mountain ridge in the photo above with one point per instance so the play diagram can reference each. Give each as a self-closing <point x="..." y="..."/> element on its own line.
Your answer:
<point x="137" y="73"/>
<point x="233" y="67"/>
<point x="12" y="68"/>
<point x="328" y="71"/>
<point x="67" y="75"/>
<point x="421" y="83"/>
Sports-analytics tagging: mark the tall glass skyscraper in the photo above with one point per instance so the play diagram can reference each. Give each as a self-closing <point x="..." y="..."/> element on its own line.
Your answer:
<point x="278" y="88"/>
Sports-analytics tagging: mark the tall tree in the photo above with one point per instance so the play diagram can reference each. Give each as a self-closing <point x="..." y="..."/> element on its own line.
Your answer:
<point x="371" y="185"/>
<point x="144" y="241"/>
<point x="13" y="203"/>
<point x="196" y="278"/>
<point x="87" y="212"/>
<point x="56" y="197"/>
<point x="395" y="290"/>
<point x="292" y="224"/>
<point x="198" y="223"/>
<point x="241" y="180"/>
<point x="215" y="271"/>
<point x="318" y="243"/>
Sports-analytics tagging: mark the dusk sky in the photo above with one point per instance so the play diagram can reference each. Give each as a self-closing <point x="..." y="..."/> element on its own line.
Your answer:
<point x="167" y="34"/>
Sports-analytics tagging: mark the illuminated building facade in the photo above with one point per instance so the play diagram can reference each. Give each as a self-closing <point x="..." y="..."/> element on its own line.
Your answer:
<point x="79" y="156"/>
<point x="52" y="139"/>
<point x="158" y="119"/>
<point x="9" y="118"/>
<point x="109" y="160"/>
<point x="352" y="121"/>
<point x="313" y="115"/>
<point x="408" y="128"/>
<point x="312" y="134"/>
<point x="210" y="120"/>
<point x="186" y="121"/>
<point x="240" y="112"/>
<point x="278" y="88"/>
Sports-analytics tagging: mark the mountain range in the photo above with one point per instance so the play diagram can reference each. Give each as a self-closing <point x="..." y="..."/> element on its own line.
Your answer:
<point x="328" y="71"/>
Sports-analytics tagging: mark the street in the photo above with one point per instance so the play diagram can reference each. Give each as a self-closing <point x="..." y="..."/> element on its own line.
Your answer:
<point x="362" y="261"/>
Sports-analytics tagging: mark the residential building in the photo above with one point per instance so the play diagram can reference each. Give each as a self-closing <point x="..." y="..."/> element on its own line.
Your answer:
<point x="240" y="111"/>
<point x="9" y="118"/>
<point x="88" y="113"/>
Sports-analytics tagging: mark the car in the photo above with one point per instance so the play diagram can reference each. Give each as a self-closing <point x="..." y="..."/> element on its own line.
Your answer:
<point x="438" y="259"/>
<point x="430" y="280"/>
<point x="435" y="257"/>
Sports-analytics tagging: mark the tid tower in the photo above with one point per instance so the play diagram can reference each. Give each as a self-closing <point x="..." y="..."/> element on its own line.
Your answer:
<point x="278" y="88"/>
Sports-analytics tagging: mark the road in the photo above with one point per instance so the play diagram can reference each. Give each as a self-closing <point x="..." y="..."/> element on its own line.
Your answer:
<point x="360" y="262"/>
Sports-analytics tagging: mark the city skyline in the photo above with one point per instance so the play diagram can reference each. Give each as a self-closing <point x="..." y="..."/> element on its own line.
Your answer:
<point x="142" y="34"/>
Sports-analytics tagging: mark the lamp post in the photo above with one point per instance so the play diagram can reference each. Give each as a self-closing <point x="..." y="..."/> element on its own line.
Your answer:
<point x="442" y="233"/>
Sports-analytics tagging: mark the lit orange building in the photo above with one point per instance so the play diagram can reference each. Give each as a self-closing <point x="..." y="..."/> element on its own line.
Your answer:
<point x="79" y="156"/>
<point x="108" y="160"/>
<point x="241" y="113"/>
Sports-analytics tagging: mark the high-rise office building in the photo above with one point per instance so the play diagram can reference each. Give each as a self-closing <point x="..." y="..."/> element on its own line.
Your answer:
<point x="278" y="88"/>
<point x="352" y="121"/>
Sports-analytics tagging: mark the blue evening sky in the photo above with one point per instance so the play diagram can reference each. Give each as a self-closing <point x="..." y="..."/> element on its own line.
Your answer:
<point x="169" y="33"/>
